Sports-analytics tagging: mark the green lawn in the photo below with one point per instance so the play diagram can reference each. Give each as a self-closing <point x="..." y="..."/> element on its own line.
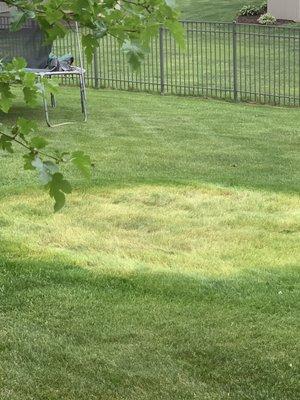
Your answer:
<point x="212" y="10"/>
<point x="173" y="273"/>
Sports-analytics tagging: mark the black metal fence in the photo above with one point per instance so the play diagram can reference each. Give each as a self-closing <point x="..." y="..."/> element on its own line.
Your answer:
<point x="221" y="60"/>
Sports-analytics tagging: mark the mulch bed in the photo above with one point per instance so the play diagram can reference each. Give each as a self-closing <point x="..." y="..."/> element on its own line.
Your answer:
<point x="253" y="19"/>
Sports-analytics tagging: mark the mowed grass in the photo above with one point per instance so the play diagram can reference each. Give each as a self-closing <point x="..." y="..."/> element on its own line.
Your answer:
<point x="172" y="273"/>
<point x="212" y="10"/>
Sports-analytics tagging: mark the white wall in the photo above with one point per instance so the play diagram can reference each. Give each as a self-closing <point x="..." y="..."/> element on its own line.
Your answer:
<point x="285" y="9"/>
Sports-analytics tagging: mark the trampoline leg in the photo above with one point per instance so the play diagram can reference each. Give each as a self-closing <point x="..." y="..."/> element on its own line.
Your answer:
<point x="45" y="104"/>
<point x="53" y="103"/>
<point x="52" y="97"/>
<point x="47" y="111"/>
<point x="83" y="97"/>
<point x="53" y="100"/>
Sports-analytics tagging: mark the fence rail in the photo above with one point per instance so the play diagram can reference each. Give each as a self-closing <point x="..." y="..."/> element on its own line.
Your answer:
<point x="221" y="60"/>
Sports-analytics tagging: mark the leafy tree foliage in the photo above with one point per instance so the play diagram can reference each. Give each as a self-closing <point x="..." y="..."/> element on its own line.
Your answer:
<point x="133" y="22"/>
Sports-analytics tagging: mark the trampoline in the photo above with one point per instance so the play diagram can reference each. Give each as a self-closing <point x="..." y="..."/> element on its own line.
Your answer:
<point x="29" y="43"/>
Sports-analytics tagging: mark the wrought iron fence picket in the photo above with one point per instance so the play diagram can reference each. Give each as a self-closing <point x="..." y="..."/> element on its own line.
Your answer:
<point x="221" y="60"/>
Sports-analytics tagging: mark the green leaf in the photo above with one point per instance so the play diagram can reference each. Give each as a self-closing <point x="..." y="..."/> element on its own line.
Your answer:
<point x="55" y="31"/>
<point x="51" y="167"/>
<point x="17" y="64"/>
<point x="30" y="96"/>
<point x="38" y="163"/>
<point x="177" y="30"/>
<point x="28" y="158"/>
<point x="134" y="52"/>
<point x="6" y="96"/>
<point x="38" y="142"/>
<point x="5" y="104"/>
<point x="46" y="169"/>
<point x="5" y="144"/>
<point x="19" y="18"/>
<point x="29" y="79"/>
<point x="61" y="155"/>
<point x="58" y="187"/>
<point x="50" y="85"/>
<point x="90" y="43"/>
<point x="60" y="200"/>
<point x="26" y="126"/>
<point x="82" y="162"/>
<point x="100" y="29"/>
<point x="53" y="15"/>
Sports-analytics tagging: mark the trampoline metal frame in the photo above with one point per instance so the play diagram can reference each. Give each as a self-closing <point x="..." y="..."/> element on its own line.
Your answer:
<point x="76" y="71"/>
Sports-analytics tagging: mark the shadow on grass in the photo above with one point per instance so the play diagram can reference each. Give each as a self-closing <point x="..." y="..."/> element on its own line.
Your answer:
<point x="22" y="274"/>
<point x="70" y="333"/>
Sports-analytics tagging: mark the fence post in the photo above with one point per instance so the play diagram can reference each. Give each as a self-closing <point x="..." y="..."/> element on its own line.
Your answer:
<point x="161" y="60"/>
<point x="96" y="70"/>
<point x="234" y="54"/>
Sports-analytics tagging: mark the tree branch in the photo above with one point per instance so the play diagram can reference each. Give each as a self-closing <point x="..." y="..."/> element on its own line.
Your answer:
<point x="26" y="146"/>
